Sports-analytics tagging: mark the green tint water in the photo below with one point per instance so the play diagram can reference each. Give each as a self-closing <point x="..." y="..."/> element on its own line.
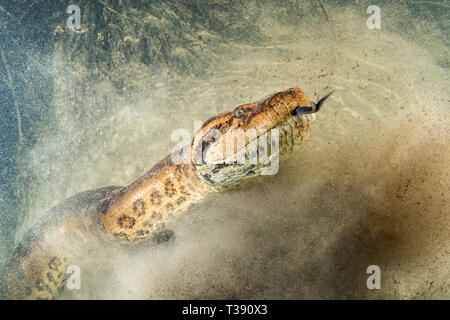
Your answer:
<point x="370" y="186"/>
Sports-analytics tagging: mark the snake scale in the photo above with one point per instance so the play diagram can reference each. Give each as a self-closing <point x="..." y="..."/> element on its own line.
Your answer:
<point x="141" y="210"/>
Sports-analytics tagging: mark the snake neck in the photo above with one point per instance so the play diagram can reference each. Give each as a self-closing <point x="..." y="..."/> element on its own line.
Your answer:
<point x="142" y="209"/>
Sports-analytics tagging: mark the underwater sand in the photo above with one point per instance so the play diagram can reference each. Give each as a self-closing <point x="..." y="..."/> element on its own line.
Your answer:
<point x="370" y="186"/>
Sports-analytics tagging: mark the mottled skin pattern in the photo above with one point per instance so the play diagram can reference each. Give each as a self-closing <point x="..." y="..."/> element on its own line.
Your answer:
<point x="38" y="267"/>
<point x="141" y="210"/>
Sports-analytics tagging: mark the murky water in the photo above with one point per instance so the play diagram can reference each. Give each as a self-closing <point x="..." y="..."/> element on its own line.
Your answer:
<point x="370" y="186"/>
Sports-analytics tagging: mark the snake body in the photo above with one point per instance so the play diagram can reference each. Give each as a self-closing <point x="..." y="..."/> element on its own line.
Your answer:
<point x="141" y="210"/>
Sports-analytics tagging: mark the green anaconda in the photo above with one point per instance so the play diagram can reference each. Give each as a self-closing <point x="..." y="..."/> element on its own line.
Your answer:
<point x="140" y="211"/>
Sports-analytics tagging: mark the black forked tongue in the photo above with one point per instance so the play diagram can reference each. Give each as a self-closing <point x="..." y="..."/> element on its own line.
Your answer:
<point x="316" y="106"/>
<point x="311" y="109"/>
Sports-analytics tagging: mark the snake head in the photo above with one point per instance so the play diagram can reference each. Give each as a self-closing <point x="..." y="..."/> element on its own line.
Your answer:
<point x="234" y="146"/>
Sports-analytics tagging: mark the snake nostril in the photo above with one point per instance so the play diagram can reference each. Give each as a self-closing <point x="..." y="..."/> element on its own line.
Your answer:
<point x="301" y="110"/>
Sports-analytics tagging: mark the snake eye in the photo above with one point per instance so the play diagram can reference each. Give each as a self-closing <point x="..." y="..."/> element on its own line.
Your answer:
<point x="301" y="110"/>
<point x="239" y="113"/>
